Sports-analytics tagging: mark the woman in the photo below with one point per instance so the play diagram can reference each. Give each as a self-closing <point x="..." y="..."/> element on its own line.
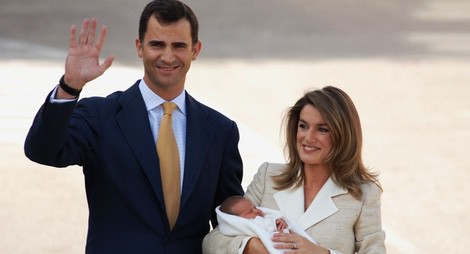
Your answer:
<point x="324" y="186"/>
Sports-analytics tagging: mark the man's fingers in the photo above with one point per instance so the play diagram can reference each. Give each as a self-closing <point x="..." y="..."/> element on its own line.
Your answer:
<point x="84" y="31"/>
<point x="73" y="36"/>
<point x="102" y="39"/>
<point x="91" y="32"/>
<point x="107" y="63"/>
<point x="88" y="34"/>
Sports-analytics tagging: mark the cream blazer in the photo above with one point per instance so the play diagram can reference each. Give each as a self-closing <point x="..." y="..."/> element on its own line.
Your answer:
<point x="335" y="219"/>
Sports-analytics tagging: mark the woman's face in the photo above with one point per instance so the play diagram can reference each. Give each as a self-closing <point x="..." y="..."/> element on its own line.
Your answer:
<point x="314" y="141"/>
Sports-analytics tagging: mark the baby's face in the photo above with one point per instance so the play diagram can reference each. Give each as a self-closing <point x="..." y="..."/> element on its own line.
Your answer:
<point x="246" y="209"/>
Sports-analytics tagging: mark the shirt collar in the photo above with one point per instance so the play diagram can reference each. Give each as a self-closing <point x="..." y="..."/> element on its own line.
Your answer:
<point x="152" y="100"/>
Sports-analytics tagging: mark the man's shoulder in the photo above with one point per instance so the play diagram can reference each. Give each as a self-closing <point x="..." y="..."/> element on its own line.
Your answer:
<point x="100" y="101"/>
<point x="201" y="108"/>
<point x="122" y="97"/>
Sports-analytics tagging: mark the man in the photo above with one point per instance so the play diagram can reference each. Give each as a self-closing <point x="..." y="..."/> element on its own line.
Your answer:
<point x="115" y="140"/>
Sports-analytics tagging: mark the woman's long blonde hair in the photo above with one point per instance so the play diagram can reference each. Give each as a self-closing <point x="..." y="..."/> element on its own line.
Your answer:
<point x="345" y="158"/>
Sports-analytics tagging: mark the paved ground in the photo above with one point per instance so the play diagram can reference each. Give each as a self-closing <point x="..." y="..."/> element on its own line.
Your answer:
<point x="406" y="65"/>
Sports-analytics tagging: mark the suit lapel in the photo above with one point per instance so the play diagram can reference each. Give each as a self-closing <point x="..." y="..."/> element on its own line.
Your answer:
<point x="133" y="121"/>
<point x="291" y="202"/>
<point x="198" y="132"/>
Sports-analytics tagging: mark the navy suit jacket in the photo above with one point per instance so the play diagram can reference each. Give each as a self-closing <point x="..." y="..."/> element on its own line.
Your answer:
<point x="111" y="138"/>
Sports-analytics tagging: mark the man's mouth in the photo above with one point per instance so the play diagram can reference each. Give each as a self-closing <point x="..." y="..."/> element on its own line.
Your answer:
<point x="167" y="68"/>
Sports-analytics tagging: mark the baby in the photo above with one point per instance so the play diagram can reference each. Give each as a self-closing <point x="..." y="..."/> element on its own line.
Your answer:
<point x="243" y="207"/>
<point x="239" y="216"/>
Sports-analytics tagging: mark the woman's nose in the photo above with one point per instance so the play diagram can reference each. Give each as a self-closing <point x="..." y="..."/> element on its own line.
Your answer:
<point x="310" y="136"/>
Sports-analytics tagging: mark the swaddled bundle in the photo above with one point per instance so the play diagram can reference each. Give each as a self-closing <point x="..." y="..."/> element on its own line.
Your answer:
<point x="261" y="227"/>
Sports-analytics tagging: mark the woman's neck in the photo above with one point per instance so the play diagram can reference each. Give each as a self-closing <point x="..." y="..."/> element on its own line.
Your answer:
<point x="315" y="178"/>
<point x="316" y="175"/>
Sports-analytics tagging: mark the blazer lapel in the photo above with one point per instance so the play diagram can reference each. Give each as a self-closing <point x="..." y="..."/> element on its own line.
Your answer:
<point x="198" y="132"/>
<point x="133" y="121"/>
<point x="291" y="203"/>
<point x="322" y="206"/>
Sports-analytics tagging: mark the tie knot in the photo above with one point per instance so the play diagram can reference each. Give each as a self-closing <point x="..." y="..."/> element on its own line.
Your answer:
<point x="168" y="107"/>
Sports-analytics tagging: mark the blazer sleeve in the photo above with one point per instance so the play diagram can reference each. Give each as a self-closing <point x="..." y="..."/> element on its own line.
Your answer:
<point x="369" y="235"/>
<point x="256" y="190"/>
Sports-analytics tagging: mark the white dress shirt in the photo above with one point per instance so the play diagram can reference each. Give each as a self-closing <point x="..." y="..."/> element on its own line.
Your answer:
<point x="154" y="103"/>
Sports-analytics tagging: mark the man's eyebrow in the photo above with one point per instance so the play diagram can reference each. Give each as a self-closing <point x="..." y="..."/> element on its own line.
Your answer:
<point x="155" y="42"/>
<point x="180" y="43"/>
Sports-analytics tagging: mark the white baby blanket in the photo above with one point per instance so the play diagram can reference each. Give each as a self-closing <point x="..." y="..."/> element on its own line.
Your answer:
<point x="232" y="225"/>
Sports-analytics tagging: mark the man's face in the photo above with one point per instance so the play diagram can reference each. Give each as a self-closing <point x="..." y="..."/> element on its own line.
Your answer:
<point x="167" y="53"/>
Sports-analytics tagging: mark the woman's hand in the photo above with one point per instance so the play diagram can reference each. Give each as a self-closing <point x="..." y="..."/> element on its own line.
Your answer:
<point x="255" y="246"/>
<point x="294" y="243"/>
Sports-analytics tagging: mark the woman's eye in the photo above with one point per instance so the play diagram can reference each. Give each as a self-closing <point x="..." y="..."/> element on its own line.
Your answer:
<point x="322" y="129"/>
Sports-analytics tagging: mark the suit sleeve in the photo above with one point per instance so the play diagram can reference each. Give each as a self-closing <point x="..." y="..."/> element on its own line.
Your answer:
<point x="231" y="173"/>
<point x="57" y="136"/>
<point x="369" y="234"/>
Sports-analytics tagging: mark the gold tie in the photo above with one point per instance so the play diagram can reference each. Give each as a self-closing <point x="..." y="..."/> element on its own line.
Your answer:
<point x="169" y="164"/>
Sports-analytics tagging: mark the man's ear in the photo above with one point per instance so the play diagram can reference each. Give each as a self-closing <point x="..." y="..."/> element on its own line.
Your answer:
<point x="138" y="47"/>
<point x="196" y="49"/>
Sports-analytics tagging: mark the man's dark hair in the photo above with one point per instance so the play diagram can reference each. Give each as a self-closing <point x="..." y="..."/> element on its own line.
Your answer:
<point x="167" y="12"/>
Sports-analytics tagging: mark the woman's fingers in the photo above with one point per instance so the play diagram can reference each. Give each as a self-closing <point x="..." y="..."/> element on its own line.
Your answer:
<point x="287" y="241"/>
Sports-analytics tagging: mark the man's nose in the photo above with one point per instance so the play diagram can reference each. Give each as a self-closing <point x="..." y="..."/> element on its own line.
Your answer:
<point x="167" y="55"/>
